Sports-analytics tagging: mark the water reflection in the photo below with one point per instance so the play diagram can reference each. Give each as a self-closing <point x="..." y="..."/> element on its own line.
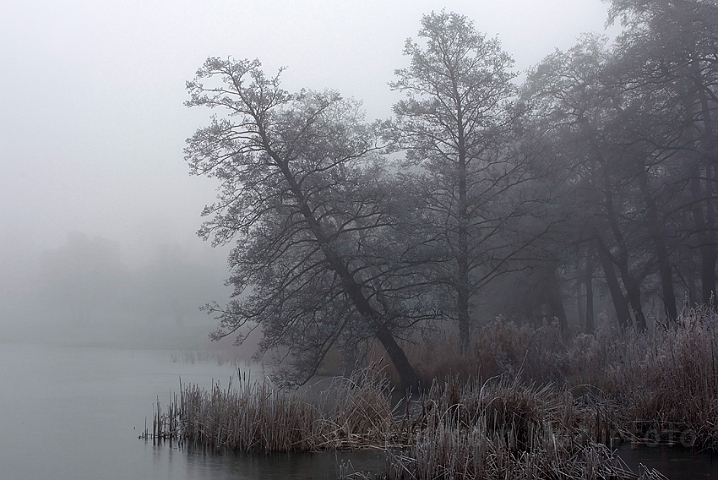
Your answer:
<point x="296" y="466"/>
<point x="76" y="413"/>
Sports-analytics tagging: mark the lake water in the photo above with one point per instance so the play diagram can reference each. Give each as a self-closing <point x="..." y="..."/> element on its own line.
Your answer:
<point x="77" y="413"/>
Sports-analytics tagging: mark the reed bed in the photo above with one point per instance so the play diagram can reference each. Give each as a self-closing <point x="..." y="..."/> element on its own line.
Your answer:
<point x="551" y="407"/>
<point x="253" y="418"/>
<point x="257" y="416"/>
<point x="679" y="379"/>
<point x="503" y="429"/>
<point x="357" y="411"/>
<point x="497" y="429"/>
<point x="663" y="380"/>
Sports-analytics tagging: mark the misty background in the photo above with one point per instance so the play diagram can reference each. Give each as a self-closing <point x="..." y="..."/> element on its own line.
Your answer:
<point x="98" y="213"/>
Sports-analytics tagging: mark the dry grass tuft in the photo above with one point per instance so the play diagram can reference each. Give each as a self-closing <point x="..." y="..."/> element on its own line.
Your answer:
<point x="502" y="429"/>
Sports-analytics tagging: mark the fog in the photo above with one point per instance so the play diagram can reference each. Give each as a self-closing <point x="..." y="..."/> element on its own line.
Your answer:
<point x="99" y="214"/>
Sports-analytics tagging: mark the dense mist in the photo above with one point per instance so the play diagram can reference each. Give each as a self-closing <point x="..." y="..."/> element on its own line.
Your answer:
<point x="98" y="149"/>
<point x="86" y="292"/>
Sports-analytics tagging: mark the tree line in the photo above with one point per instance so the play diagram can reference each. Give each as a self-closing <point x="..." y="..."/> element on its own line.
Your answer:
<point x="594" y="178"/>
<point x="86" y="293"/>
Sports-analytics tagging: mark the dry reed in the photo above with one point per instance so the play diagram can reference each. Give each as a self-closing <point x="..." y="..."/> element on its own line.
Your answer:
<point x="496" y="429"/>
<point x="257" y="416"/>
<point x="503" y="429"/>
<point x="663" y="380"/>
<point x="553" y="408"/>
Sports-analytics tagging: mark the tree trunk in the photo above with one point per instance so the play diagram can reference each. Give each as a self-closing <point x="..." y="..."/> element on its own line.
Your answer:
<point x="588" y="283"/>
<point x="633" y="289"/>
<point x="709" y="252"/>
<point x="691" y="283"/>
<point x="707" y="248"/>
<point x="619" y="300"/>
<point x="659" y="240"/>
<point x="709" y="255"/>
<point x="463" y="287"/>
<point x="409" y="378"/>
<point x="463" y="312"/>
<point x="353" y="289"/>
<point x="555" y="302"/>
<point x="580" y="296"/>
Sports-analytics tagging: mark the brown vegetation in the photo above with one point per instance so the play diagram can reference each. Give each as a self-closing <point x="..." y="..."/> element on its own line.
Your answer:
<point x="503" y="429"/>
<point x="526" y="404"/>
<point x="665" y="378"/>
<point x="257" y="416"/>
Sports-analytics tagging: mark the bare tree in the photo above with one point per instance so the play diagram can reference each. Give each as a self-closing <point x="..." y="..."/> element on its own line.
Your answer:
<point x="304" y="197"/>
<point x="453" y="126"/>
<point x="576" y="109"/>
<point x="669" y="58"/>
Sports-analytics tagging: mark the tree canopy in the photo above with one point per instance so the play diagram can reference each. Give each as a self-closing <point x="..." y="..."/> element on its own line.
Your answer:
<point x="593" y="184"/>
<point x="305" y="197"/>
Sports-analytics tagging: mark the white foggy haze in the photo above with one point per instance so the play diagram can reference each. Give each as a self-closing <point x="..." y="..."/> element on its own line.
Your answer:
<point x="97" y="211"/>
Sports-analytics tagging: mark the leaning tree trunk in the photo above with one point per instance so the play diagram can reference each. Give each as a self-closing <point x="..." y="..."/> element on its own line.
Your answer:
<point x="408" y="377"/>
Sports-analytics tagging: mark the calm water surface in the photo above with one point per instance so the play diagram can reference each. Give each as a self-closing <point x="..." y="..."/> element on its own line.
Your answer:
<point x="76" y="413"/>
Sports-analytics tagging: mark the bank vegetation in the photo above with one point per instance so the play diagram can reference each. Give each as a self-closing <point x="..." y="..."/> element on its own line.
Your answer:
<point x="526" y="405"/>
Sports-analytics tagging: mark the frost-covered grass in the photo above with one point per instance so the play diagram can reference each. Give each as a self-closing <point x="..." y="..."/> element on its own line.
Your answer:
<point x="663" y="379"/>
<point x="526" y="403"/>
<point x="257" y="416"/>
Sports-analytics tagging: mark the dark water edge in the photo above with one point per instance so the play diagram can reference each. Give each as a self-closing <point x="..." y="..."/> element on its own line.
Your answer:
<point x="303" y="466"/>
<point x="676" y="463"/>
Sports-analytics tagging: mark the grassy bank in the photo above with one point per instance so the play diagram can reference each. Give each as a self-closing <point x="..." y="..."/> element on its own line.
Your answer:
<point x="664" y="379"/>
<point x="526" y="403"/>
<point x="502" y="429"/>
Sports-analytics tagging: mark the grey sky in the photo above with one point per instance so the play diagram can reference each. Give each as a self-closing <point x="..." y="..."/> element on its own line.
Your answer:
<point x="92" y="124"/>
